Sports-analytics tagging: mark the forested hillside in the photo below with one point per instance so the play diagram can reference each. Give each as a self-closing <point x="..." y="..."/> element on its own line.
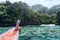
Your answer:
<point x="53" y="9"/>
<point x="42" y="9"/>
<point x="39" y="8"/>
<point x="36" y="15"/>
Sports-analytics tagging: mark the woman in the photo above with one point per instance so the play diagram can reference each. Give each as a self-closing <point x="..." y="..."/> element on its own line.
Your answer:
<point x="17" y="26"/>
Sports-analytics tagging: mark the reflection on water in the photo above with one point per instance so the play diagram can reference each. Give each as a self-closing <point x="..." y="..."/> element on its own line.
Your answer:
<point x="40" y="32"/>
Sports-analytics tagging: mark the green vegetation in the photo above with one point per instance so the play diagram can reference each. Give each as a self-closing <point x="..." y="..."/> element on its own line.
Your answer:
<point x="37" y="14"/>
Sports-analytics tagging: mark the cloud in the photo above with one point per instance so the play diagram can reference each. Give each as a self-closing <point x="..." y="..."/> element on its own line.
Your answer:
<point x="47" y="3"/>
<point x="51" y="3"/>
<point x="52" y="0"/>
<point x="2" y="0"/>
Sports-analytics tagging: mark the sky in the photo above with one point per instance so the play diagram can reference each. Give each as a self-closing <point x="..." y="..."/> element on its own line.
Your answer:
<point x="47" y="3"/>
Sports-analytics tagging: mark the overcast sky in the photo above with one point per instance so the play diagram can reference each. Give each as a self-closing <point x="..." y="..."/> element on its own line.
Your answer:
<point x="47" y="3"/>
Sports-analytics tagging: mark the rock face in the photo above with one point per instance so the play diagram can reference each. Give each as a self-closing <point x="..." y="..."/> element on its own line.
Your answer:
<point x="58" y="18"/>
<point x="39" y="8"/>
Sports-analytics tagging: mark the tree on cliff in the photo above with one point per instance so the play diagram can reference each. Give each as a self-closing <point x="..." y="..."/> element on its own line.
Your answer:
<point x="58" y="17"/>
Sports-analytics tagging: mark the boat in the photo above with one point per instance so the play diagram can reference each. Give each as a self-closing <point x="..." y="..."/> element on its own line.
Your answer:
<point x="11" y="34"/>
<point x="47" y="25"/>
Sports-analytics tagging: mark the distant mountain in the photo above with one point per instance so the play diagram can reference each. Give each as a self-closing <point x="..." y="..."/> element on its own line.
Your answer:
<point x="42" y="9"/>
<point x="39" y="8"/>
<point x="54" y="9"/>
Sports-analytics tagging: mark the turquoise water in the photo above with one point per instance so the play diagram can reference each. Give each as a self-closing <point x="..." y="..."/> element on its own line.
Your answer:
<point x="43" y="32"/>
<point x="4" y="29"/>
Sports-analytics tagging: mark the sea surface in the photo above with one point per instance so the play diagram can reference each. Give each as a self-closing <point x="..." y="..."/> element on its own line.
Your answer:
<point x="40" y="32"/>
